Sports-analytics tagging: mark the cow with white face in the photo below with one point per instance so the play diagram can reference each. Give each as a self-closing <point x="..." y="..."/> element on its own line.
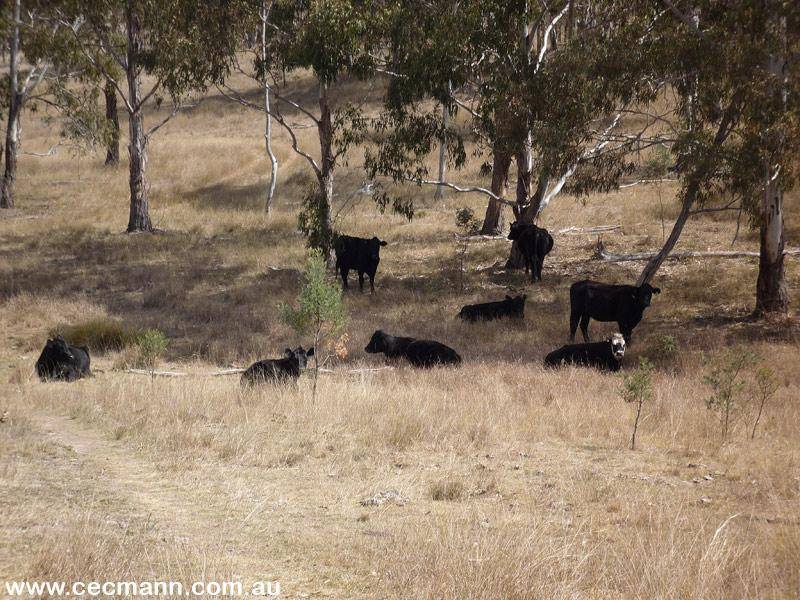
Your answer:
<point x="606" y="355"/>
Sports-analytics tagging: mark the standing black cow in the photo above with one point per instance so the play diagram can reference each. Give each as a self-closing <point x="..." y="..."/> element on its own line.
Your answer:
<point x="420" y="353"/>
<point x="278" y="370"/>
<point x="534" y="244"/>
<point x="62" y="361"/>
<point x="358" y="254"/>
<point x="606" y="355"/>
<point x="510" y="307"/>
<point x="624" y="304"/>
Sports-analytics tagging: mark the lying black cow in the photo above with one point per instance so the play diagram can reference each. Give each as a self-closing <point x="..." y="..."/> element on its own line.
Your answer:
<point x="62" y="361"/>
<point x="624" y="304"/>
<point x="606" y="355"/>
<point x="420" y="353"/>
<point x="358" y="254"/>
<point x="534" y="244"/>
<point x="278" y="370"/>
<point x="488" y="311"/>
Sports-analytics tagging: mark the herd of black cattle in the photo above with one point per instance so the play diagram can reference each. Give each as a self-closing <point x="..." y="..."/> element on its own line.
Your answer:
<point x="623" y="304"/>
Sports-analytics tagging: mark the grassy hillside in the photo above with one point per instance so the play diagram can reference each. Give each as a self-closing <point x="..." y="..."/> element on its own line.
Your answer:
<point x="503" y="480"/>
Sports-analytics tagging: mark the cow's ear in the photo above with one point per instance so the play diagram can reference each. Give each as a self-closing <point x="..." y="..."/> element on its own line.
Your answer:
<point x="288" y="353"/>
<point x="383" y="243"/>
<point x="310" y="352"/>
<point x="656" y="290"/>
<point x="508" y="297"/>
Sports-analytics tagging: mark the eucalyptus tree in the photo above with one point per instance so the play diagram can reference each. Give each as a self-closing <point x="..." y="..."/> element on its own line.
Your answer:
<point x="148" y="51"/>
<point x="260" y="61"/>
<point x="549" y="84"/>
<point x="334" y="40"/>
<point x="733" y="69"/>
<point x="36" y="48"/>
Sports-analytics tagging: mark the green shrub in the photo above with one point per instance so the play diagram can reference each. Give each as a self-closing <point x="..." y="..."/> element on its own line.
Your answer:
<point x="150" y="346"/>
<point x="726" y="376"/>
<point x="661" y="350"/>
<point x="466" y="221"/>
<point x="637" y="388"/>
<point x="99" y="335"/>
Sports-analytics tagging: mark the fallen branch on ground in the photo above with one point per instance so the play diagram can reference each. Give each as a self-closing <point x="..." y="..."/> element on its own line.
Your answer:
<point x="181" y="374"/>
<point x="236" y="371"/>
<point x="589" y="230"/>
<point x="603" y="254"/>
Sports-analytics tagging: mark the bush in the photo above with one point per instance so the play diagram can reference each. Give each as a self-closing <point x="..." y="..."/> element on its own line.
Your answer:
<point x="637" y="388"/>
<point x="99" y="335"/>
<point x="726" y="376"/>
<point x="466" y="221"/>
<point x="151" y="345"/>
<point x="661" y="350"/>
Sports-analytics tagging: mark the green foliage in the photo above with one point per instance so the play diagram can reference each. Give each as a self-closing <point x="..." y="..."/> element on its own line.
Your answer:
<point x="765" y="386"/>
<point x="151" y="344"/>
<point x="313" y="220"/>
<point x="637" y="388"/>
<point x="662" y="350"/>
<point x="657" y="164"/>
<point x="725" y="376"/>
<point x="321" y="310"/>
<point x="99" y="335"/>
<point x="466" y="221"/>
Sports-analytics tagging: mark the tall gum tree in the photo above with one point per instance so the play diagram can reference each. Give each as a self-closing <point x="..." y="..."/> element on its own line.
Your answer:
<point x="333" y="40"/>
<point x="736" y="133"/>
<point x="149" y="50"/>
<point x="542" y="97"/>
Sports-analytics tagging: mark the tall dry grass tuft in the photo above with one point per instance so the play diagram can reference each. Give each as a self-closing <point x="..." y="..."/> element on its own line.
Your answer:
<point x="86" y="549"/>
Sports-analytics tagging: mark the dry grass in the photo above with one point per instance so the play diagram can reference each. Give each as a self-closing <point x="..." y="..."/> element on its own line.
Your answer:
<point x="517" y="480"/>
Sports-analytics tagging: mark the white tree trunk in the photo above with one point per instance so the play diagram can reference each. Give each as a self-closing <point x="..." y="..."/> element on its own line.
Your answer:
<point x="14" y="109"/>
<point x="139" y="218"/>
<point x="443" y="149"/>
<point x="772" y="296"/>
<point x="273" y="160"/>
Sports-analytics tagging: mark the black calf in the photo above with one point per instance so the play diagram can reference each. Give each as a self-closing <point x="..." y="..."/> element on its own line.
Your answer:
<point x="420" y="353"/>
<point x="488" y="311"/>
<point x="62" y="361"/>
<point x="605" y="355"/>
<point x="278" y="370"/>
<point x="358" y="254"/>
<point x="534" y="243"/>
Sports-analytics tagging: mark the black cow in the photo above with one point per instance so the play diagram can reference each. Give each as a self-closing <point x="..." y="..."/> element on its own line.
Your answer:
<point x="510" y="307"/>
<point x="606" y="355"/>
<point x="62" y="361"/>
<point x="534" y="244"/>
<point x="278" y="370"/>
<point x="420" y="353"/>
<point x="624" y="304"/>
<point x="358" y="254"/>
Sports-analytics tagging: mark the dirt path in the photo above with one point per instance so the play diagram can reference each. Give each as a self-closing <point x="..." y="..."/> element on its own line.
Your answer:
<point x="209" y="516"/>
<point x="135" y="479"/>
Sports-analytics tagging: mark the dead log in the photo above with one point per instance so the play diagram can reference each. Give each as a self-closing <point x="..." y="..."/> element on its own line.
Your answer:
<point x="588" y="230"/>
<point x="602" y="254"/>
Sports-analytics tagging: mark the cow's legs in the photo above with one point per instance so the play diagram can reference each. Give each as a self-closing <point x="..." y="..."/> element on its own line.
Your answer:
<point x="585" y="328"/>
<point x="371" y="283"/>
<point x="574" y="318"/>
<point x="626" y="332"/>
<point x="345" y="273"/>
<point x="361" y="280"/>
